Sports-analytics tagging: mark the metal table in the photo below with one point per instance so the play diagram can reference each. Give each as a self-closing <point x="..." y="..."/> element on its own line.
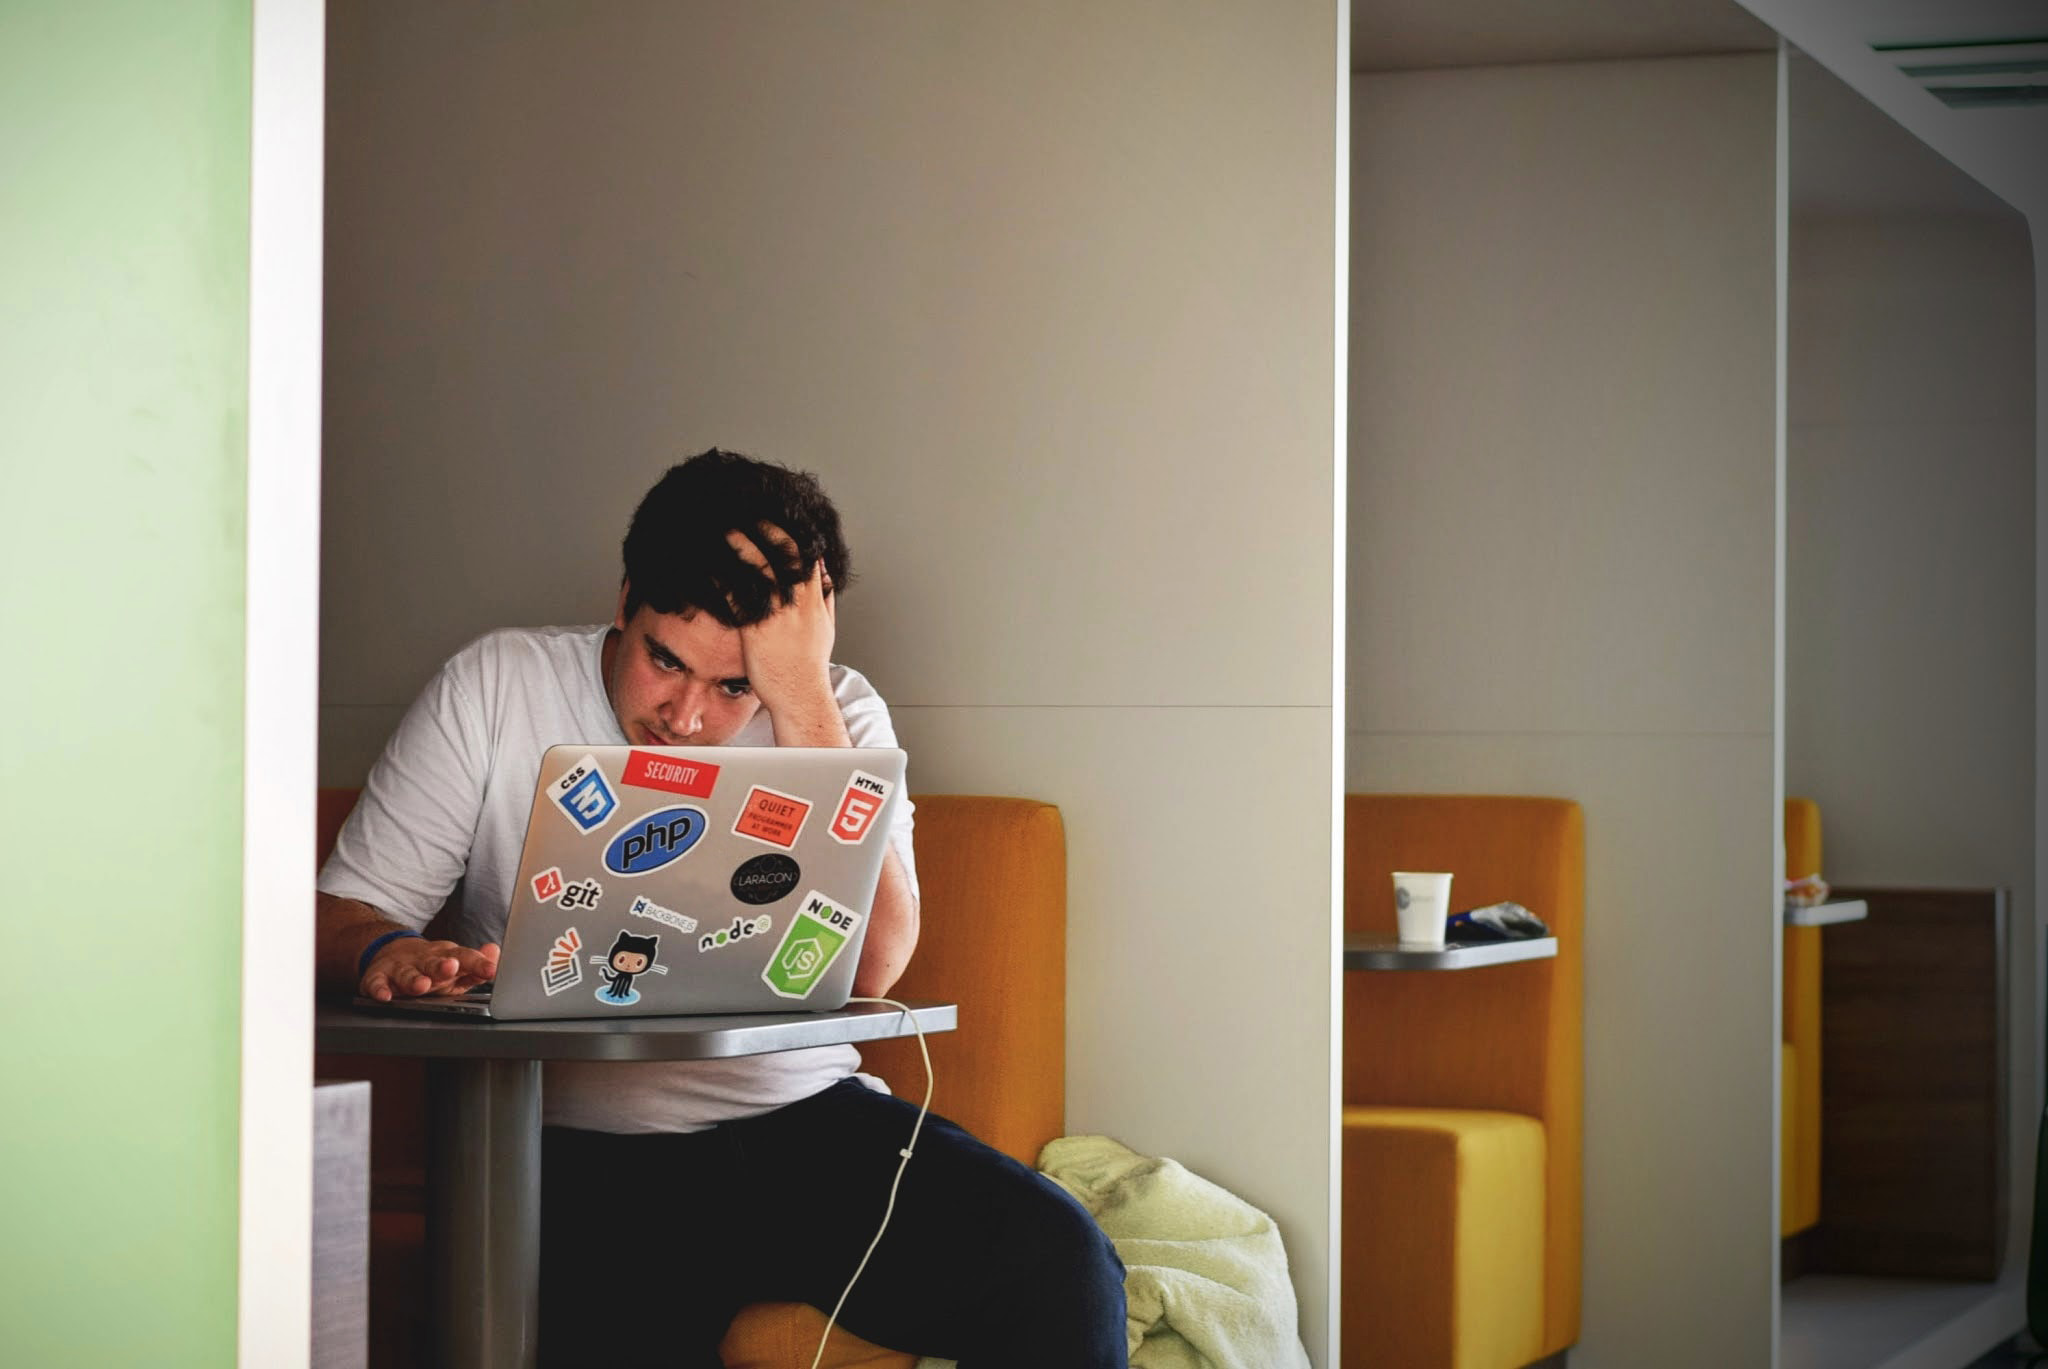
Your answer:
<point x="1372" y="952"/>
<point x="1827" y="914"/>
<point x="484" y="1082"/>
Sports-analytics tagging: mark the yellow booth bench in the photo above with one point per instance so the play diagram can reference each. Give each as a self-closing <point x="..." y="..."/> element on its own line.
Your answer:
<point x="1002" y="1074"/>
<point x="1462" y="1097"/>
<point x="1799" y="1052"/>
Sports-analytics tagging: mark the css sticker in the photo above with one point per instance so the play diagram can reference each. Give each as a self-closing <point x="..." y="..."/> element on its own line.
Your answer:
<point x="691" y="779"/>
<point x="810" y="944"/>
<point x="648" y="908"/>
<point x="562" y="970"/>
<point x="630" y="957"/>
<point x="865" y="794"/>
<point x="583" y="795"/>
<point x="772" y="817"/>
<point x="765" y="879"/>
<point x="655" y="840"/>
<point x="741" y="929"/>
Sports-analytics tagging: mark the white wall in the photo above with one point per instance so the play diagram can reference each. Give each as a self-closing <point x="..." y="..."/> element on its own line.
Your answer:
<point x="1044" y="293"/>
<point x="1563" y="489"/>
<point x="1910" y="675"/>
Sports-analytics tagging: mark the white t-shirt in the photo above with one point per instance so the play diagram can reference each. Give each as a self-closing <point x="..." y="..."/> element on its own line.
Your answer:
<point x="445" y="810"/>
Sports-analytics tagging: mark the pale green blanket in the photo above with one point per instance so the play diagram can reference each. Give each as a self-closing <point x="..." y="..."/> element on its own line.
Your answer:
<point x="1205" y="1274"/>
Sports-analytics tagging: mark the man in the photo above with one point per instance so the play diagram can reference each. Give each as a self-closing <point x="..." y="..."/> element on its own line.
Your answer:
<point x="702" y="1186"/>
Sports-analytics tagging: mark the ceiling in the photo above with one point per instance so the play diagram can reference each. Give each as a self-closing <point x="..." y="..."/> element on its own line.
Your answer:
<point x="1405" y="35"/>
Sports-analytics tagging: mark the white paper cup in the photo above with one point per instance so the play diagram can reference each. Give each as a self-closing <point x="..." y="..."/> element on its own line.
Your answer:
<point x="1422" y="903"/>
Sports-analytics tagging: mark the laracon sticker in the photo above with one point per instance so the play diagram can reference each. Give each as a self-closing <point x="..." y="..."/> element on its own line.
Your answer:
<point x="771" y="816"/>
<point x="765" y="879"/>
<point x="865" y="794"/>
<point x="648" y="908"/>
<point x="741" y="929"/>
<point x="547" y="885"/>
<point x="655" y="840"/>
<point x="631" y="955"/>
<point x="647" y="770"/>
<point x="811" y="942"/>
<point x="584" y="796"/>
<point x="563" y="970"/>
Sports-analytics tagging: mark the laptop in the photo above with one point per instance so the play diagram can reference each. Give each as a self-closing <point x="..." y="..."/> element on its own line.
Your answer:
<point x="679" y="879"/>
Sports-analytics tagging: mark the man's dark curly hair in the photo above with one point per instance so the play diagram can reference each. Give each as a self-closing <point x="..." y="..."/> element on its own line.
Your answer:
<point x="677" y="558"/>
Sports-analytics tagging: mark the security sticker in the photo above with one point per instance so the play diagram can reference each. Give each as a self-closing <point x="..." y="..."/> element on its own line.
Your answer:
<point x="547" y="885"/>
<point x="765" y="879"/>
<point x="810" y="944"/>
<point x="741" y="929"/>
<point x="648" y="908"/>
<point x="865" y="794"/>
<point x="691" y="779"/>
<point x="631" y="956"/>
<point x="584" y="796"/>
<point x="562" y="970"/>
<point x="771" y="816"/>
<point x="644" y="846"/>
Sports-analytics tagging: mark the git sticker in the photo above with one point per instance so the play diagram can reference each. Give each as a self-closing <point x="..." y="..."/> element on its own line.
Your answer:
<point x="648" y="908"/>
<point x="584" y="796"/>
<point x="647" y="770"/>
<point x="772" y="817"/>
<point x="865" y="794"/>
<point x="811" y="942"/>
<point x="547" y="885"/>
<point x="563" y="970"/>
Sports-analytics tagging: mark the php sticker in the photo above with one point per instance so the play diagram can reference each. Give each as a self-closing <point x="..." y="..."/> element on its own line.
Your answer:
<point x="584" y="796"/>
<point x="741" y="929"/>
<point x="644" y="846"/>
<point x="810" y="944"/>
<point x="631" y="956"/>
<point x="772" y="817"/>
<point x="648" y="908"/>
<point x="865" y="794"/>
<point x="765" y="879"/>
<point x="563" y="970"/>
<point x="691" y="779"/>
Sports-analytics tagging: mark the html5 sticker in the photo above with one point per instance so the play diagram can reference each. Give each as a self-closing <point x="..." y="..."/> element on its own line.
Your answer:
<point x="771" y="817"/>
<point x="858" y="807"/>
<point x="649" y="770"/>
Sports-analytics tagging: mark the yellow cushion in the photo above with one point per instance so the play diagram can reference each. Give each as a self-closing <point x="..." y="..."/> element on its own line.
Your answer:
<point x="1443" y="1238"/>
<point x="1799" y="1190"/>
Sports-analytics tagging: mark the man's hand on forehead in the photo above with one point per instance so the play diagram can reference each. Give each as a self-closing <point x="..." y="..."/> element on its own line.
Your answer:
<point x="755" y="546"/>
<point x="788" y="653"/>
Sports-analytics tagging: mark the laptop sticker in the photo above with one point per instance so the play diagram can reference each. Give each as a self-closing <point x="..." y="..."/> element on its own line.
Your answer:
<point x="584" y="893"/>
<point x="644" y="906"/>
<point x="772" y="817"/>
<point x="864" y="797"/>
<point x="630" y="957"/>
<point x="810" y="944"/>
<point x="741" y="929"/>
<point x="765" y="879"/>
<point x="583" y="795"/>
<point x="662" y="836"/>
<point x="691" y="779"/>
<point x="563" y="970"/>
<point x="547" y="885"/>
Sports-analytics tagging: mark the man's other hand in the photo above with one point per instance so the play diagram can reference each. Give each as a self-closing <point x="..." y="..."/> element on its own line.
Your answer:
<point x="413" y="967"/>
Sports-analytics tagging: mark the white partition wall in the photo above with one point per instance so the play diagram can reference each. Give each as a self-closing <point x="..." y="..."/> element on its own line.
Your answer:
<point x="1562" y="581"/>
<point x="1044" y="293"/>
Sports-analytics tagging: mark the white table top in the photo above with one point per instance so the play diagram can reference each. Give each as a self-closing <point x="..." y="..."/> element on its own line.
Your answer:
<point x="1828" y="914"/>
<point x="1366" y="952"/>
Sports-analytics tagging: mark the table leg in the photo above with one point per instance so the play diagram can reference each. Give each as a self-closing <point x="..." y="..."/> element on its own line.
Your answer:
<point x="484" y="1229"/>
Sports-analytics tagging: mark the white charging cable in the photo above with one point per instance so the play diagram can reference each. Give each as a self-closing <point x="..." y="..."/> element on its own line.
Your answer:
<point x="894" y="1184"/>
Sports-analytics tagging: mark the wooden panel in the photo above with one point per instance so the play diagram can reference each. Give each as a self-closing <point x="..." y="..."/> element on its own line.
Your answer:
<point x="1913" y="1163"/>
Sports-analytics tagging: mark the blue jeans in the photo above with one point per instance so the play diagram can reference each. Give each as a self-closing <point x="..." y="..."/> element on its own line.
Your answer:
<point x="650" y="1244"/>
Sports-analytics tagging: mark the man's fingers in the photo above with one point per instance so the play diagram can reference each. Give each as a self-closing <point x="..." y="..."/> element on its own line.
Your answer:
<point x="376" y="986"/>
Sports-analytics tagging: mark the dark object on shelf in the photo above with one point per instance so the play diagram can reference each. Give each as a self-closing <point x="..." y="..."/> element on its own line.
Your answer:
<point x="1494" y="922"/>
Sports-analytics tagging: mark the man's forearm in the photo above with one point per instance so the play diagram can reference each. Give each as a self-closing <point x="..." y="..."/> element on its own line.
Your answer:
<point x="892" y="933"/>
<point x="342" y="929"/>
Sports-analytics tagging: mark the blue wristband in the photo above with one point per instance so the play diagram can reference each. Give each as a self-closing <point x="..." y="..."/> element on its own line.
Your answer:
<point x="370" y="951"/>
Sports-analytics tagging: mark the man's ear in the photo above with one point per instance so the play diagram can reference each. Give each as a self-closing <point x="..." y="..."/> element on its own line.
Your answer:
<point x="619" y="621"/>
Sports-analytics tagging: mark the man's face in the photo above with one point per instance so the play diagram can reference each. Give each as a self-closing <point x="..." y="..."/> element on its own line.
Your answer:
<point x="677" y="679"/>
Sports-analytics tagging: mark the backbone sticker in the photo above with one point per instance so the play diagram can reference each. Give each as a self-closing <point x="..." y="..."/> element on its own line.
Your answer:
<point x="583" y="795"/>
<point x="644" y="906"/>
<point x="662" y="836"/>
<point x="811" y="942"/>
<point x="771" y="817"/>
<point x="563" y="970"/>
<point x="864" y="797"/>
<point x="649" y="770"/>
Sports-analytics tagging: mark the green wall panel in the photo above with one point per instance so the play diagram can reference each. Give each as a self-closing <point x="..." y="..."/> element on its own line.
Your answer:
<point x="124" y="254"/>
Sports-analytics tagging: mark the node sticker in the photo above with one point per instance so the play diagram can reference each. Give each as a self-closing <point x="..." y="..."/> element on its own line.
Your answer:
<point x="547" y="885"/>
<point x="741" y="929"/>
<point x="810" y="944"/>
<point x="772" y="817"/>
<point x="648" y="908"/>
<point x="630" y="956"/>
<point x="691" y="779"/>
<point x="583" y="795"/>
<point x="655" y="840"/>
<point x="563" y="970"/>
<point x="765" y="879"/>
<point x="865" y="794"/>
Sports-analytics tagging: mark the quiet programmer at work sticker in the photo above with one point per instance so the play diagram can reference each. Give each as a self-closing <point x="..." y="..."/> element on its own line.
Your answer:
<point x="772" y="817"/>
